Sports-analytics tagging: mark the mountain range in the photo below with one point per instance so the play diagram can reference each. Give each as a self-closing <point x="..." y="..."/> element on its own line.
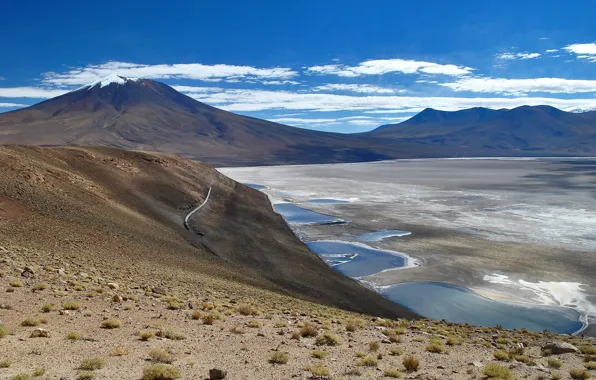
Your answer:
<point x="142" y="114"/>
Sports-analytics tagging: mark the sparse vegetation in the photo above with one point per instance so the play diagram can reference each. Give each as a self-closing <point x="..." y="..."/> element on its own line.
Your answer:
<point x="159" y="355"/>
<point x="328" y="339"/>
<point x="39" y="372"/>
<point x="246" y="309"/>
<point x="494" y="371"/>
<point x="22" y="376"/>
<point x="5" y="364"/>
<point x="16" y="283"/>
<point x="173" y="334"/>
<point x="111" y="323"/>
<point x="31" y="322"/>
<point x="120" y="351"/>
<point x="308" y="330"/>
<point x="47" y="307"/>
<point x="40" y="286"/>
<point x="73" y="335"/>
<point x="395" y="351"/>
<point x="367" y="361"/>
<point x="146" y="335"/>
<point x="3" y="331"/>
<point x="435" y="346"/>
<point x="393" y="373"/>
<point x="579" y="374"/>
<point x="72" y="305"/>
<point x="587" y="349"/>
<point x="208" y="319"/>
<point x="238" y="329"/>
<point x="279" y="357"/>
<point x="253" y="324"/>
<point x="92" y="364"/>
<point x="501" y="355"/>
<point x="590" y="366"/>
<point x="85" y="375"/>
<point x="373" y="346"/>
<point x="319" y="354"/>
<point x="161" y="372"/>
<point x="278" y="325"/>
<point x="411" y="364"/>
<point x="319" y="370"/>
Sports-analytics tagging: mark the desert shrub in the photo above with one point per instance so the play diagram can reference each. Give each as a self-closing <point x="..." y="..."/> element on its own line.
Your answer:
<point x="246" y="309"/>
<point x="497" y="372"/>
<point x="120" y="351"/>
<point x="173" y="334"/>
<point x="501" y="355"/>
<point x="111" y="323"/>
<point x="21" y="376"/>
<point x="238" y="329"/>
<point x="161" y="372"/>
<point x="16" y="283"/>
<point x="85" y="375"/>
<point x="328" y="339"/>
<point x="590" y="366"/>
<point x="72" y="305"/>
<point x="39" y="372"/>
<point x="159" y="355"/>
<point x="453" y="341"/>
<point x="296" y="335"/>
<point x="554" y="363"/>
<point x="3" y="331"/>
<point x="253" y="324"/>
<point x="196" y="315"/>
<point x="579" y="374"/>
<point x="393" y="373"/>
<point x="47" y="307"/>
<point x="92" y="364"/>
<point x="435" y="347"/>
<point x="525" y="359"/>
<point x="31" y="322"/>
<point x="318" y="354"/>
<point x="556" y="376"/>
<point x="279" y="357"/>
<point x="5" y="364"/>
<point x="280" y="324"/>
<point x="373" y="346"/>
<point x="411" y="364"/>
<point x="308" y="330"/>
<point x="587" y="349"/>
<point x="208" y="319"/>
<point x="395" y="351"/>
<point x="40" y="286"/>
<point x="146" y="335"/>
<point x="319" y="370"/>
<point x="516" y="351"/>
<point x="73" y="335"/>
<point x="367" y="361"/>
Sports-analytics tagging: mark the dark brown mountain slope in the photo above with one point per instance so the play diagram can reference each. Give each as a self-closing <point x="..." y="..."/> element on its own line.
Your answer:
<point x="114" y="208"/>
<point x="149" y="115"/>
<point x="527" y="130"/>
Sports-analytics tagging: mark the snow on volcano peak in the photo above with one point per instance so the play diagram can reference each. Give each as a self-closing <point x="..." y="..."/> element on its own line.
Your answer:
<point x="107" y="80"/>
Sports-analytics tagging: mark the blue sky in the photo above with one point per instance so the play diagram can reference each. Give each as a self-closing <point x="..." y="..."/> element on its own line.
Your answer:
<point x="343" y="66"/>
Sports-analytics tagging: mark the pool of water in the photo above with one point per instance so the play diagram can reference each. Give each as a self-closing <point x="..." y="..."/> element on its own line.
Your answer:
<point x="357" y="259"/>
<point x="327" y="201"/>
<point x="380" y="235"/>
<point x="298" y="215"/>
<point x="255" y="186"/>
<point x="456" y="304"/>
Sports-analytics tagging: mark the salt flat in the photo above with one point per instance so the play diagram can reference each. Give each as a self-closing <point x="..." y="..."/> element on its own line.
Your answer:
<point x="472" y="221"/>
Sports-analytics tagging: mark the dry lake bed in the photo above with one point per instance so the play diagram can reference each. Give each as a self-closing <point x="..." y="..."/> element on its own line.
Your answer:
<point x="484" y="241"/>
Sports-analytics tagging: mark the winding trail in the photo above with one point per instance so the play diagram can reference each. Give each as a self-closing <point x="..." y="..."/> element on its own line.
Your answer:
<point x="196" y="209"/>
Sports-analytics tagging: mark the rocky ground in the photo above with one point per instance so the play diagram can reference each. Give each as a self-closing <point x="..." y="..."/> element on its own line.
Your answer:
<point x="62" y="318"/>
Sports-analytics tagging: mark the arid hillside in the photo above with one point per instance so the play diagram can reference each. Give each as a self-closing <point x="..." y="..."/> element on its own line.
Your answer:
<point x="114" y="208"/>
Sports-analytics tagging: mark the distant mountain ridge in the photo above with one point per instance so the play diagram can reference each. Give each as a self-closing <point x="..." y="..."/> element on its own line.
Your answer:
<point x="523" y="129"/>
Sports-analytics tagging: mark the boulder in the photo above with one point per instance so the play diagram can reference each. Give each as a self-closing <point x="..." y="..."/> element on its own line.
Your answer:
<point x="113" y="285"/>
<point x="217" y="373"/>
<point x="117" y="298"/>
<point x="40" y="333"/>
<point x="560" y="348"/>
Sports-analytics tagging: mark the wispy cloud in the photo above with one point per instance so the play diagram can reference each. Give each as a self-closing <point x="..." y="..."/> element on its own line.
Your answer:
<point x="12" y="105"/>
<point x="279" y="82"/>
<point x="550" y="51"/>
<point x="197" y="71"/>
<point x="360" y="88"/>
<point x="365" y="121"/>
<point x="514" y="56"/>
<point x="384" y="66"/>
<point x="29" y="92"/>
<point x="522" y="86"/>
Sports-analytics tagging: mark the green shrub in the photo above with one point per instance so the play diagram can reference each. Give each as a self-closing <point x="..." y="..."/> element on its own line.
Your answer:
<point x="39" y="287"/>
<point x="5" y="364"/>
<point x="72" y="305"/>
<point x="587" y="349"/>
<point x="161" y="372"/>
<point x="435" y="347"/>
<point x="393" y="373"/>
<point x="47" y="307"/>
<point x="173" y="334"/>
<point x="318" y="354"/>
<point x="253" y="324"/>
<point x="591" y="366"/>
<point x="39" y="372"/>
<point x="579" y="374"/>
<point x="367" y="361"/>
<point x="319" y="370"/>
<point x="496" y="371"/>
<point x="159" y="355"/>
<point x="3" y="331"/>
<point x="501" y="355"/>
<point x="146" y="335"/>
<point x="31" y="322"/>
<point x="16" y="283"/>
<point x="111" y="323"/>
<point x="73" y="335"/>
<point x="554" y="363"/>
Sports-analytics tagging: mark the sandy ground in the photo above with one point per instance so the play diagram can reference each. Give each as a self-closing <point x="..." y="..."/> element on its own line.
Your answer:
<point x="532" y="220"/>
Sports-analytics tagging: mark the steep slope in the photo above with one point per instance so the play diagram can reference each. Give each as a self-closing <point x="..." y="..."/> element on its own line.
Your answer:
<point x="120" y="209"/>
<point x="525" y="130"/>
<point x="147" y="115"/>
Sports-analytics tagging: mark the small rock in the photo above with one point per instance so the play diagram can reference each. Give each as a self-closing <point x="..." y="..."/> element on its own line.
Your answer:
<point x="260" y="334"/>
<point x="61" y="272"/>
<point x="28" y="272"/>
<point x="217" y="373"/>
<point x="64" y="312"/>
<point x="158" y="290"/>
<point x="117" y="298"/>
<point x="560" y="348"/>
<point x="386" y="341"/>
<point x="40" y="333"/>
<point x="113" y="285"/>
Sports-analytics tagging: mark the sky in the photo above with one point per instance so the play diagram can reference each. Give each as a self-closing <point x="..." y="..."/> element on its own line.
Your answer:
<point x="341" y="66"/>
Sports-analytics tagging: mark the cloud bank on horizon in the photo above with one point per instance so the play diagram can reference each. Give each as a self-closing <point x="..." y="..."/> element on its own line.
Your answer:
<point x="347" y="94"/>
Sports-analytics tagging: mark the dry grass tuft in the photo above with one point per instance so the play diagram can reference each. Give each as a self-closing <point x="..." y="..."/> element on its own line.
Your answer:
<point x="92" y="364"/>
<point x="411" y="364"/>
<point x="159" y="355"/>
<point x="161" y="372"/>
<point x="279" y="357"/>
<point x="496" y="371"/>
<point x="111" y="323"/>
<point x="328" y="339"/>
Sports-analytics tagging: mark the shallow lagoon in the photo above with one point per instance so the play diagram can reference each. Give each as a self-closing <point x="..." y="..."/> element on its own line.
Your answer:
<point x="456" y="304"/>
<point x="298" y="215"/>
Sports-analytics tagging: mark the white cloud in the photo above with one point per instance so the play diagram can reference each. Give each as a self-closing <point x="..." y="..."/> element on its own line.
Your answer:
<point x="242" y="100"/>
<point x="514" y="56"/>
<point x="365" y="121"/>
<point x="279" y="82"/>
<point x="552" y="50"/>
<point x="522" y="86"/>
<point x="7" y="105"/>
<point x="384" y="66"/>
<point x="197" y="71"/>
<point x="29" y="92"/>
<point x="585" y="49"/>
<point x="360" y="88"/>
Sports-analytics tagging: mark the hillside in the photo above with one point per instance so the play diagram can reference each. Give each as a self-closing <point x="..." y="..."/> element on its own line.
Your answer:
<point x="143" y="114"/>
<point x="527" y="130"/>
<point x="116" y="209"/>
